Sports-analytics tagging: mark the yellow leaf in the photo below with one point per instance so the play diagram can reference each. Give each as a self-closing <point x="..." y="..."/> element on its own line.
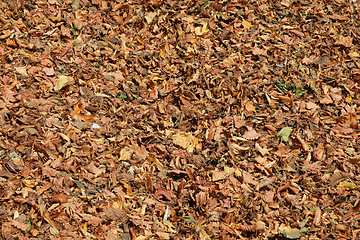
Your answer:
<point x="29" y="183"/>
<point x="127" y="187"/>
<point x="354" y="54"/>
<point x="185" y="140"/>
<point x="202" y="30"/>
<point x="162" y="53"/>
<point x="62" y="82"/>
<point x="348" y="99"/>
<point x="247" y="25"/>
<point x="347" y="185"/>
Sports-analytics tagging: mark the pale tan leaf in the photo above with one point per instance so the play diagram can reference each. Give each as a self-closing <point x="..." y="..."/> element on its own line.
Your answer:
<point x="251" y="134"/>
<point x="62" y="82"/>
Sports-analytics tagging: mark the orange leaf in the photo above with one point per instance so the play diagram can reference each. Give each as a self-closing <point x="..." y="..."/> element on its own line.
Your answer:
<point x="86" y="118"/>
<point x="250" y="107"/>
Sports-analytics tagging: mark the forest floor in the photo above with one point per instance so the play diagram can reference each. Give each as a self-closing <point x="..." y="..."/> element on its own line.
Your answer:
<point x="168" y="119"/>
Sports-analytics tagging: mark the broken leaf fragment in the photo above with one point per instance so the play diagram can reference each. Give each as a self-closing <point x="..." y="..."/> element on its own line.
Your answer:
<point x="62" y="82"/>
<point x="284" y="133"/>
<point x="185" y="140"/>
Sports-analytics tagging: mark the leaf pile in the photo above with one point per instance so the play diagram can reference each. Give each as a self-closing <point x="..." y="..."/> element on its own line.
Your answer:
<point x="168" y="119"/>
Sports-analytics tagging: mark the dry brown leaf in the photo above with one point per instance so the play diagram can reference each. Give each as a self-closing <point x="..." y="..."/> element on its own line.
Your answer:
<point x="49" y="72"/>
<point x="114" y="214"/>
<point x="250" y="107"/>
<point x="247" y="25"/>
<point x="219" y="175"/>
<point x="247" y="178"/>
<point x="125" y="154"/>
<point x="344" y="41"/>
<point x="21" y="70"/>
<point x="251" y="134"/>
<point x="92" y="220"/>
<point x="163" y="194"/>
<point x="353" y="211"/>
<point x="22" y="226"/>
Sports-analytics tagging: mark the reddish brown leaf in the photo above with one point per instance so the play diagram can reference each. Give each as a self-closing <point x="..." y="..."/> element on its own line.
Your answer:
<point x="163" y="194"/>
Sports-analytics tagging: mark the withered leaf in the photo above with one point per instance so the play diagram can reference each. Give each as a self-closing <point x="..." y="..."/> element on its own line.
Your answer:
<point x="293" y="233"/>
<point x="251" y="134"/>
<point x="114" y="214"/>
<point x="92" y="220"/>
<point x="185" y="140"/>
<point x="62" y="82"/>
<point x="196" y="119"/>
<point x="20" y="225"/>
<point x="163" y="194"/>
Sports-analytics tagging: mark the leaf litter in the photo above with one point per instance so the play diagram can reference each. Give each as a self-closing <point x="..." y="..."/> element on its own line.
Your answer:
<point x="169" y="119"/>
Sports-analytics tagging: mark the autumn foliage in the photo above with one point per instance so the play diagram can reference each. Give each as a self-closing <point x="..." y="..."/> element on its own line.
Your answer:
<point x="167" y="119"/>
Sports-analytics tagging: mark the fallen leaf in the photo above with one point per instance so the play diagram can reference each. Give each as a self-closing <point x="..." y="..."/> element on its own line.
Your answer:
<point x="311" y="105"/>
<point x="284" y="133"/>
<point x="251" y="134"/>
<point x="250" y="107"/>
<point x="247" y="25"/>
<point x="20" y="225"/>
<point x="21" y="70"/>
<point x="163" y="194"/>
<point x="163" y="235"/>
<point x="92" y="220"/>
<point x="247" y="178"/>
<point x="125" y="154"/>
<point x="49" y="71"/>
<point x="344" y="41"/>
<point x="185" y="140"/>
<point x="219" y="175"/>
<point x="202" y="29"/>
<point x="353" y="211"/>
<point x="347" y="185"/>
<point x="292" y="233"/>
<point x="75" y="4"/>
<point x="354" y="54"/>
<point x="62" y="82"/>
<point x="149" y="17"/>
<point x="113" y="214"/>
<point x="317" y="216"/>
